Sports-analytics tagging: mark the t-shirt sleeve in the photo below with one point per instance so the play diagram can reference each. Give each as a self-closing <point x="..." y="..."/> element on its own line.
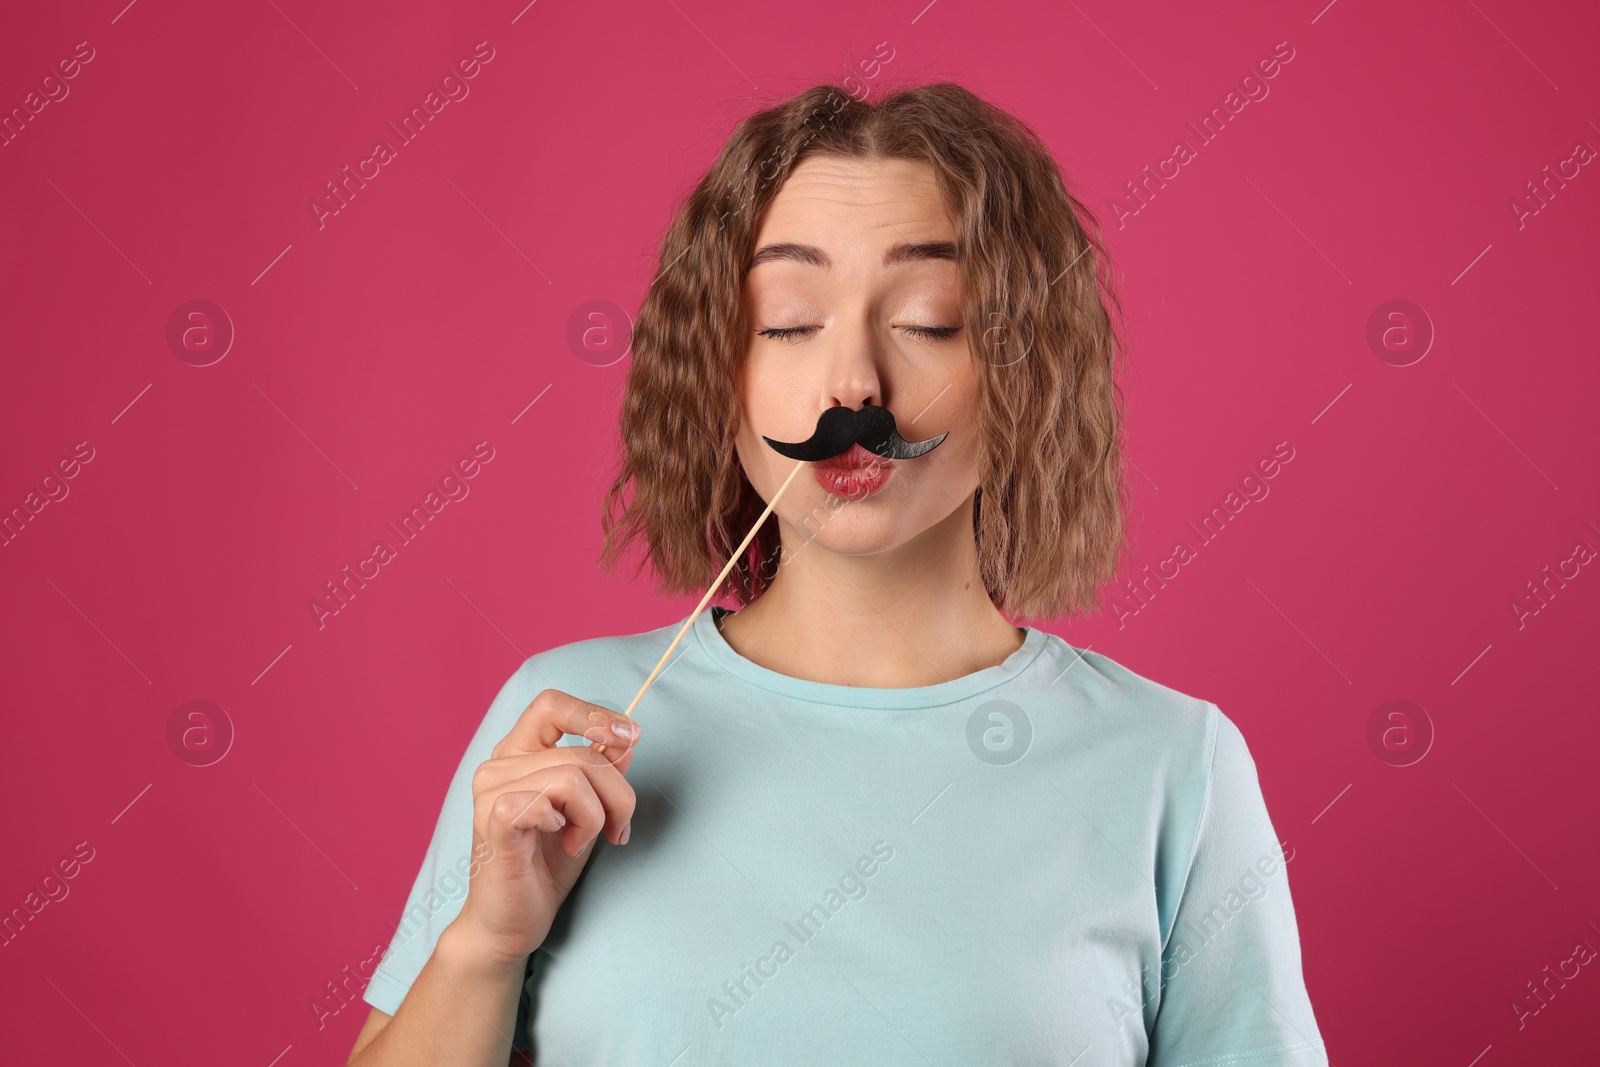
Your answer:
<point x="1232" y="989"/>
<point x="440" y="888"/>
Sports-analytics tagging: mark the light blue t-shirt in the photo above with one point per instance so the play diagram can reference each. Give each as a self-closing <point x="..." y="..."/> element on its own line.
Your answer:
<point x="1049" y="861"/>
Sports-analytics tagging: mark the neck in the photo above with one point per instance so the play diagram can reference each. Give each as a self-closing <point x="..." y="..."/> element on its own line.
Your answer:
<point x="916" y="615"/>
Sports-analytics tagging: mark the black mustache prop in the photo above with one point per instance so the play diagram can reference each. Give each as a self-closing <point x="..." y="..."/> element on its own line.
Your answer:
<point x="840" y="427"/>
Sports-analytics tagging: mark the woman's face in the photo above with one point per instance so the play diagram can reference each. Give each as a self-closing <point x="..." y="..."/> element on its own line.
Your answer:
<point x="854" y="266"/>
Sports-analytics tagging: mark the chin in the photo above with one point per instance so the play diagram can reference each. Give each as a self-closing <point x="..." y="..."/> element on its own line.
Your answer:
<point x="859" y="534"/>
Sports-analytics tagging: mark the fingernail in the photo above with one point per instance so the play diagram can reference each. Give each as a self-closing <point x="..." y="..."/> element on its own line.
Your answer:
<point x="627" y="828"/>
<point x="625" y="729"/>
<point x="561" y="820"/>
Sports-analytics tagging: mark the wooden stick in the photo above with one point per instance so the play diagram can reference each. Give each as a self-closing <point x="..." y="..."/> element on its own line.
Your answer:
<point x="738" y="553"/>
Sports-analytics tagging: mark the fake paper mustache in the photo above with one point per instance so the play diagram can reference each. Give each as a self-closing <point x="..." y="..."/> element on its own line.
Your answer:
<point x="840" y="427"/>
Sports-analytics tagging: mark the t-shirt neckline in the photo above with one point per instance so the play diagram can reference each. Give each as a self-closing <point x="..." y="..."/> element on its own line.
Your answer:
<point x="923" y="696"/>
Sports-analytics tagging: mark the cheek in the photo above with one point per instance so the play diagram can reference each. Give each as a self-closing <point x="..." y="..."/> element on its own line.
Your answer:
<point x="961" y="420"/>
<point x="773" y="405"/>
<point x="957" y="411"/>
<point x="762" y="410"/>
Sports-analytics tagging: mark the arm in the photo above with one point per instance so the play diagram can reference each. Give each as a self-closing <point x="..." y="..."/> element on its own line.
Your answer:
<point x="432" y="1027"/>
<point x="1232" y="988"/>
<point x="518" y="826"/>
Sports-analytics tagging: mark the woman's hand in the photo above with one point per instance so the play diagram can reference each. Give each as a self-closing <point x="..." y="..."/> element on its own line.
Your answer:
<point x="538" y="808"/>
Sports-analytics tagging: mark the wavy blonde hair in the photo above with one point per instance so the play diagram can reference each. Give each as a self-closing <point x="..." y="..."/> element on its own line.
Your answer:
<point x="1049" y="517"/>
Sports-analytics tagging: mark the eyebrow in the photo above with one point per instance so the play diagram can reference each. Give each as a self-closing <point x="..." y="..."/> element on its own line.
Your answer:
<point x="904" y="252"/>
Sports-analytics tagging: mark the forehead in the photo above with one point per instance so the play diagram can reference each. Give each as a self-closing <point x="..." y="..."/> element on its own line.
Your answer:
<point x="855" y="207"/>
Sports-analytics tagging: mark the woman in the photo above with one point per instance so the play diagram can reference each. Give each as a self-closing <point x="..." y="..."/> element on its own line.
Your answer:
<point x="863" y="818"/>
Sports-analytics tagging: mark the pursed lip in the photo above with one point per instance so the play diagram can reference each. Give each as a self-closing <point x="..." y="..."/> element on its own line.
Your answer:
<point x="855" y="458"/>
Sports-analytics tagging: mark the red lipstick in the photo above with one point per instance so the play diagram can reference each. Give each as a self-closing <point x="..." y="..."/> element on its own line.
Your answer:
<point x="854" y="474"/>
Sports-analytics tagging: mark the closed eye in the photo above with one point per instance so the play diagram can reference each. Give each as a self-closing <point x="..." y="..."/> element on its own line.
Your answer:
<point x="784" y="334"/>
<point x="934" y="333"/>
<point x="791" y="333"/>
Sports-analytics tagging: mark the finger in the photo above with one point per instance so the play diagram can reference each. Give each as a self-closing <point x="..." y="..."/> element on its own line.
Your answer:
<point x="553" y="713"/>
<point x="612" y="792"/>
<point x="602" y="746"/>
<point x="496" y="774"/>
<point x="515" y="812"/>
<point x="505" y="816"/>
<point x="590" y="805"/>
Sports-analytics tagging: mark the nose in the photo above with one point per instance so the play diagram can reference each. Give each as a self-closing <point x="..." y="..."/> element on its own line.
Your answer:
<point x="852" y="372"/>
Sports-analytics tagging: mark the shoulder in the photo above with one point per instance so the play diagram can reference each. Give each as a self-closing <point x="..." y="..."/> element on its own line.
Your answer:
<point x="586" y="658"/>
<point x="1179" y="754"/>
<point x="1160" y="738"/>
<point x="1117" y="699"/>
<point x="597" y="669"/>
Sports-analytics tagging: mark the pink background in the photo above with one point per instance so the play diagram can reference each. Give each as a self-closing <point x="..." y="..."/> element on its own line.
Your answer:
<point x="428" y="314"/>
